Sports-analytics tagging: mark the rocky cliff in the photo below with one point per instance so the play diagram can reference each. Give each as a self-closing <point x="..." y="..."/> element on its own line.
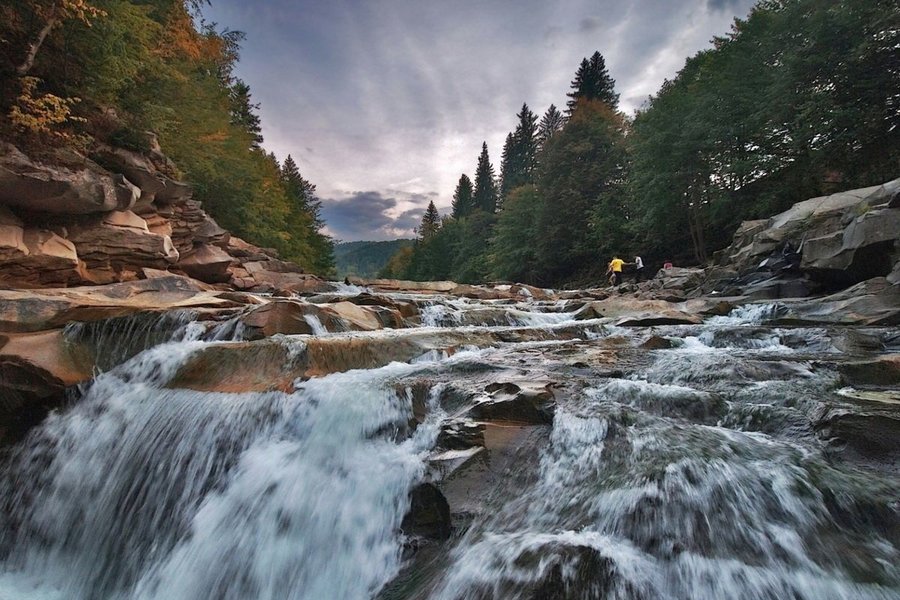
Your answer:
<point x="67" y="219"/>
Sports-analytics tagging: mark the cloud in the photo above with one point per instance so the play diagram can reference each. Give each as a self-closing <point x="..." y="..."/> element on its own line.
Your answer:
<point x="396" y="97"/>
<point x="374" y="216"/>
<point x="589" y="24"/>
<point x="724" y="4"/>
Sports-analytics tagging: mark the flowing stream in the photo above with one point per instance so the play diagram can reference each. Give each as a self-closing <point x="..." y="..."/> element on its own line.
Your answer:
<point x="696" y="470"/>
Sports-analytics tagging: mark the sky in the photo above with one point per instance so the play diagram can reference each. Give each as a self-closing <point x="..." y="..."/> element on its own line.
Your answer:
<point x="385" y="103"/>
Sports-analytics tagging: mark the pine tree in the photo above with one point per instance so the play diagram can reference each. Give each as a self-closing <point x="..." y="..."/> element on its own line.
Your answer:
<point x="243" y="112"/>
<point x="592" y="82"/>
<point x="551" y="123"/>
<point x="519" y="153"/>
<point x="463" y="201"/>
<point x="486" y="193"/>
<point x="431" y="222"/>
<point x="507" y="164"/>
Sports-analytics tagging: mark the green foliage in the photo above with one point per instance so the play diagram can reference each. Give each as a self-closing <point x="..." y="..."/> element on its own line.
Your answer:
<point x="514" y="244"/>
<point x="581" y="176"/>
<point x="801" y="93"/>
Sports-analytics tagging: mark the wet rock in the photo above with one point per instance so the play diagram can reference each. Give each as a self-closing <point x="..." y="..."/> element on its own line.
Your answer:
<point x="70" y="185"/>
<point x="881" y="370"/>
<point x="358" y="318"/>
<point x="429" y="514"/>
<point x="529" y="291"/>
<point x="867" y="434"/>
<point x="274" y="274"/>
<point x="655" y="342"/>
<point x="42" y="363"/>
<point x="523" y="402"/>
<point x="461" y="434"/>
<point x="280" y="316"/>
<point x="872" y="302"/>
<point x="669" y="317"/>
<point x="406" y="308"/>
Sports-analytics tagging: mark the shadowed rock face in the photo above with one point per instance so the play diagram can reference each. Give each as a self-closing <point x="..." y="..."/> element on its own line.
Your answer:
<point x="843" y="239"/>
<point x="81" y="188"/>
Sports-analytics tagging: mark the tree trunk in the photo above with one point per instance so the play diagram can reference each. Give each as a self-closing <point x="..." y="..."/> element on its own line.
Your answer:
<point x="36" y="45"/>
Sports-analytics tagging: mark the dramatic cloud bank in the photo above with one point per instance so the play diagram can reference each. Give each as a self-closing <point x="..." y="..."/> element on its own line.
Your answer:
<point x="396" y="96"/>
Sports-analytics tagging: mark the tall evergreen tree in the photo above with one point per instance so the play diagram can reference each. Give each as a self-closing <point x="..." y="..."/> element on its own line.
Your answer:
<point x="243" y="112"/>
<point x="486" y="194"/>
<point x="550" y="124"/>
<point x="431" y="222"/>
<point x="463" y="200"/>
<point x="508" y="160"/>
<point x="593" y="82"/>
<point x="520" y="153"/>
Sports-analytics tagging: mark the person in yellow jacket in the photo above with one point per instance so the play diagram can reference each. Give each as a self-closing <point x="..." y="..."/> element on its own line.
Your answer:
<point x="615" y="270"/>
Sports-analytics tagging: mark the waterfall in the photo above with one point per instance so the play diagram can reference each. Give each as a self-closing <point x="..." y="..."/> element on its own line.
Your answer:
<point x="146" y="492"/>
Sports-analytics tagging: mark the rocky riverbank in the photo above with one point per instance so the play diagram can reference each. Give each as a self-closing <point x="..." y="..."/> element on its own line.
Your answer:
<point x="731" y="430"/>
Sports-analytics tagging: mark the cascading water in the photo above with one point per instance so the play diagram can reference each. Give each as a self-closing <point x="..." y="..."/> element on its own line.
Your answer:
<point x="695" y="474"/>
<point x="146" y="492"/>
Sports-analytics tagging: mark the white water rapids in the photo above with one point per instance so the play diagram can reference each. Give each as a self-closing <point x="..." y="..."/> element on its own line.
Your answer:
<point x="697" y="476"/>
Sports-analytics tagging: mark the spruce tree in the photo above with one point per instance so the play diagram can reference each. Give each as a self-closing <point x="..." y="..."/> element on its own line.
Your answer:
<point x="508" y="165"/>
<point x="243" y="112"/>
<point x="592" y="82"/>
<point x="519" y="153"/>
<point x="463" y="201"/>
<point x="431" y="222"/>
<point x="486" y="193"/>
<point x="551" y="123"/>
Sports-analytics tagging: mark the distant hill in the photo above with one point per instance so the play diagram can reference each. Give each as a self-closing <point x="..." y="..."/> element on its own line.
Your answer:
<point x="365" y="259"/>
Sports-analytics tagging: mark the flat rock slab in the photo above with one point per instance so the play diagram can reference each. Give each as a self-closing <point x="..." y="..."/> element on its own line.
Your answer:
<point x="37" y="310"/>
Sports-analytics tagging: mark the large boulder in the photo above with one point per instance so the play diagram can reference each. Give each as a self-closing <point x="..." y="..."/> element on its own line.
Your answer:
<point x="864" y="248"/>
<point x="207" y="263"/>
<point x="71" y="185"/>
<point x="872" y="302"/>
<point x="843" y="238"/>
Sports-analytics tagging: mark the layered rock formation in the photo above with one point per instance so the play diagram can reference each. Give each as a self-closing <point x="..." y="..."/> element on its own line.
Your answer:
<point x="119" y="216"/>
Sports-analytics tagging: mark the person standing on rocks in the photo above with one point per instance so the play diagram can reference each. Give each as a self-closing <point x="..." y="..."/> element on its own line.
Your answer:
<point x="615" y="270"/>
<point x="638" y="269"/>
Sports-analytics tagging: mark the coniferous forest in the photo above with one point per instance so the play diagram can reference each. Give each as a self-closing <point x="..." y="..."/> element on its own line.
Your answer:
<point x="800" y="99"/>
<point x="76" y="73"/>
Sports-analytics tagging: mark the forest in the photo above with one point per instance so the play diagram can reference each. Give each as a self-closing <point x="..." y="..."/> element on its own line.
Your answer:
<point x="800" y="99"/>
<point x="78" y="73"/>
